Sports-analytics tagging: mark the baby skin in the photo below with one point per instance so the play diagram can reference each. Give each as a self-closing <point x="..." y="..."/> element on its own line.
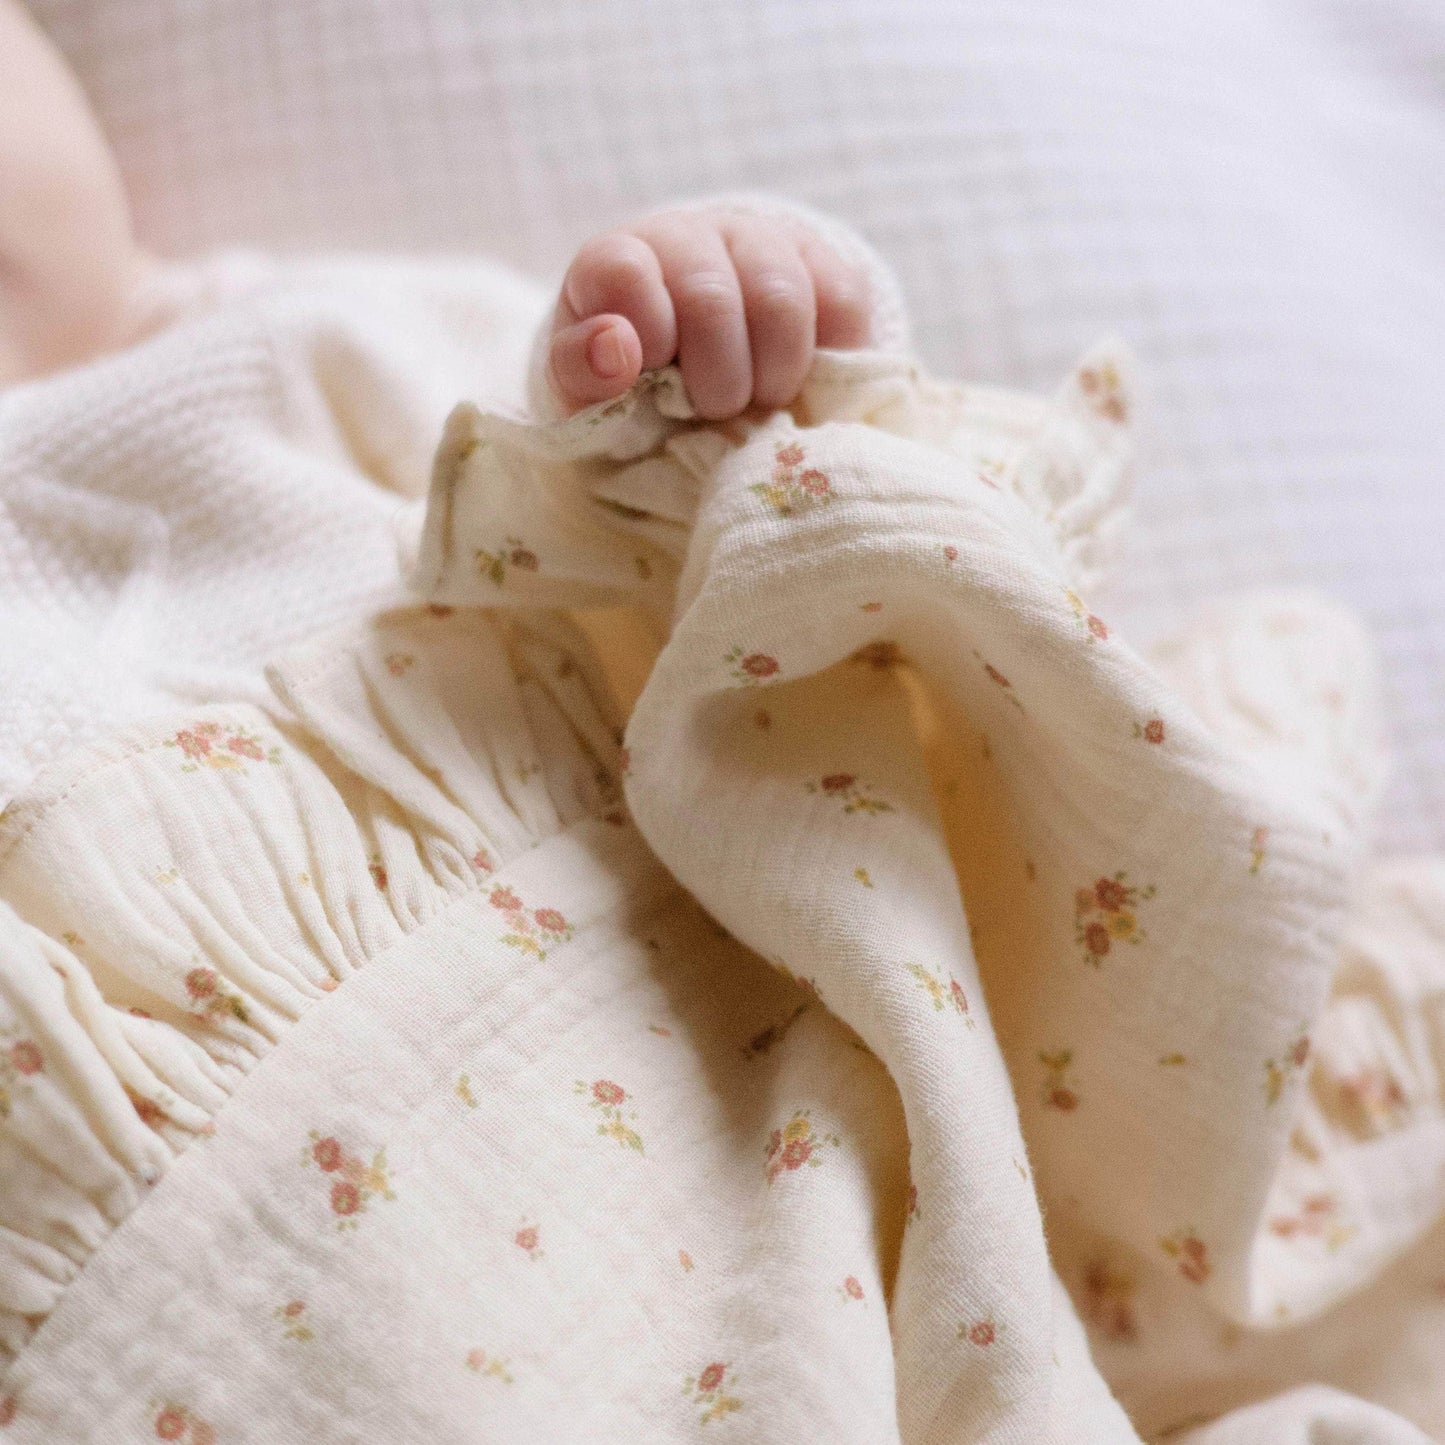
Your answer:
<point x="738" y="301"/>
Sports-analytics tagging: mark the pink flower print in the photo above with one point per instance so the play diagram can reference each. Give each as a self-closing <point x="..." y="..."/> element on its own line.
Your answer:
<point x="1110" y="894"/>
<point x="359" y="1183"/>
<point x="378" y="874"/>
<point x="685" y="1260"/>
<point x="981" y="1334"/>
<point x="608" y="1099"/>
<point x="210" y="1000"/>
<point x="26" y="1057"/>
<point x="851" y="1288"/>
<point x="201" y="983"/>
<point x="481" y="1363"/>
<point x="8" y="1406"/>
<point x="1094" y="627"/>
<point x="493" y="565"/>
<point x="209" y="745"/>
<point x="1277" y="1071"/>
<point x="1097" y="628"/>
<point x="1151" y="731"/>
<point x="794" y="1145"/>
<point x="750" y="667"/>
<point x="532" y="933"/>
<point x="398" y="662"/>
<point x="1108" y="913"/>
<point x="706" y="1390"/>
<point x="193" y="746"/>
<point x="942" y="994"/>
<point x="1057" y="1093"/>
<point x="527" y="1239"/>
<point x="1103" y="390"/>
<point x="1257" y="849"/>
<point x="1191" y="1253"/>
<point x="293" y="1323"/>
<point x="951" y="552"/>
<point x="482" y="862"/>
<point x="788" y="490"/>
<point x="856" y="797"/>
<point x="170" y="1424"/>
<point x="1109" y="1301"/>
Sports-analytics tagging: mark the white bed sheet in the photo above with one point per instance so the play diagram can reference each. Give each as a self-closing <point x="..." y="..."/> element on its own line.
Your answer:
<point x="1249" y="194"/>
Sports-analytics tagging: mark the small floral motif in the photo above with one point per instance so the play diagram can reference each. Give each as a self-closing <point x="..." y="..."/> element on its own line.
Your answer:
<point x="175" y="1422"/>
<point x="1104" y="392"/>
<point x="1258" y="839"/>
<point x="529" y="1240"/>
<point x="397" y="663"/>
<point x="1057" y="1093"/>
<point x="1373" y="1100"/>
<point x="950" y="553"/>
<point x="1109" y="1301"/>
<point x="1000" y="681"/>
<point x="854" y="796"/>
<point x="762" y="1042"/>
<point x="795" y="1145"/>
<point x="494" y="565"/>
<point x="912" y="1212"/>
<point x="706" y="1388"/>
<point x="377" y="869"/>
<point x="980" y="1332"/>
<point x="750" y="668"/>
<point x="861" y="874"/>
<point x="685" y="1260"/>
<point x="1316" y="1218"/>
<point x="608" y="1099"/>
<point x="212" y="745"/>
<point x="850" y="1289"/>
<point x="792" y="488"/>
<point x="293" y="1321"/>
<point x="482" y="861"/>
<point x="210" y="1000"/>
<point x="1151" y="731"/>
<point x="1191" y="1253"/>
<point x="355" y="1183"/>
<point x="533" y="932"/>
<point x="1108" y="913"/>
<point x="1277" y="1071"/>
<point x="479" y="1362"/>
<point x="944" y="992"/>
<point x="1094" y="626"/>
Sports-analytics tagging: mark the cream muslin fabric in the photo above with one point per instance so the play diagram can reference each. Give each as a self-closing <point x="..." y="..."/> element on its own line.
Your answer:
<point x="405" y="1053"/>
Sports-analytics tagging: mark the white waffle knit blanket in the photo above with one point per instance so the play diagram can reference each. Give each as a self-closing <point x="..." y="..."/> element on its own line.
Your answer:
<point x="403" y="1054"/>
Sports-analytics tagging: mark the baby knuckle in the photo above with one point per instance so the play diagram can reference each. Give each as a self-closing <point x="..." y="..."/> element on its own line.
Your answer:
<point x="780" y="302"/>
<point x="707" y="295"/>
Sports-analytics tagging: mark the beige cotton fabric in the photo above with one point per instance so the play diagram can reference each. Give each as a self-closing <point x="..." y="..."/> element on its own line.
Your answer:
<point x="410" y="1055"/>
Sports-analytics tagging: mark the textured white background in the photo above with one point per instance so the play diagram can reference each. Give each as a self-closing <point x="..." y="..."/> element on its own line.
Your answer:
<point x="1250" y="194"/>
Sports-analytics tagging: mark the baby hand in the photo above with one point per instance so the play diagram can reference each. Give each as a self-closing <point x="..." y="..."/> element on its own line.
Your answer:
<point x="738" y="301"/>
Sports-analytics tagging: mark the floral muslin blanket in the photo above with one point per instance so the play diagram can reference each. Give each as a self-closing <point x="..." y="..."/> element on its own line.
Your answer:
<point x="920" y="1017"/>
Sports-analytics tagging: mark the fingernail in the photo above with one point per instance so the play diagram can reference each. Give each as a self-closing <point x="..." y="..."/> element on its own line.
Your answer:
<point x="605" y="355"/>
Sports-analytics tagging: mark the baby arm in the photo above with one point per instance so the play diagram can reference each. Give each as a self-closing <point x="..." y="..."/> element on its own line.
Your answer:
<point x="68" y="259"/>
<point x="739" y="299"/>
